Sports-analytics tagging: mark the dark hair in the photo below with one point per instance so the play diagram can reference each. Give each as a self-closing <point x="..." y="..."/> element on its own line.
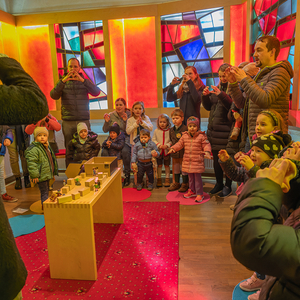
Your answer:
<point x="223" y="67"/>
<point x="243" y="64"/>
<point x="141" y="103"/>
<point x="271" y="43"/>
<point x="276" y="119"/>
<point x="177" y="112"/>
<point x="72" y="58"/>
<point x="145" y="132"/>
<point x="165" y="116"/>
<point x="124" y="102"/>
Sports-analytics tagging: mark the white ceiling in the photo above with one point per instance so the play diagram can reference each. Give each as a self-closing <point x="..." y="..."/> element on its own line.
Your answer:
<point x="21" y="7"/>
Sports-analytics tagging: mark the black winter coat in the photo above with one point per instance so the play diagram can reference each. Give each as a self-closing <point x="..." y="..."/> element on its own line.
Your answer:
<point x="79" y="152"/>
<point x="219" y="126"/>
<point x="116" y="146"/>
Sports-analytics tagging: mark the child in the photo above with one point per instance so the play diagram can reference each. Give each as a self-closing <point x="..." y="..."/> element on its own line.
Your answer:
<point x="41" y="160"/>
<point x="161" y="138"/>
<point x="84" y="144"/>
<point x="141" y="159"/>
<point x="52" y="125"/>
<point x="6" y="138"/>
<point x="175" y="134"/>
<point x="195" y="145"/>
<point x="114" y="144"/>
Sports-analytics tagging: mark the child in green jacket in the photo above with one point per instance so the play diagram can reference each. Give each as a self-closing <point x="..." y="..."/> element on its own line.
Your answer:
<point x="41" y="161"/>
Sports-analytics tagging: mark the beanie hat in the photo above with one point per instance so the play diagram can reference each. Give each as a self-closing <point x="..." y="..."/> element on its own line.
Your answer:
<point x="271" y="144"/>
<point x="193" y="120"/>
<point x="115" y="127"/>
<point x="39" y="130"/>
<point x="81" y="126"/>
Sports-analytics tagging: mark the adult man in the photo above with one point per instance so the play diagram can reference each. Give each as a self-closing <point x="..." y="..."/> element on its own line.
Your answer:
<point x="73" y="90"/>
<point x="268" y="90"/>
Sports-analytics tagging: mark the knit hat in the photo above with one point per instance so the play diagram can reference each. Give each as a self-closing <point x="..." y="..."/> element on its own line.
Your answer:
<point x="39" y="130"/>
<point x="81" y="126"/>
<point x="115" y="127"/>
<point x="271" y="144"/>
<point x="193" y="120"/>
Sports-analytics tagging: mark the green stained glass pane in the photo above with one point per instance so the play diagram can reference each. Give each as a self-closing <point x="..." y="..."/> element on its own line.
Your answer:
<point x="190" y="64"/>
<point x="75" y="44"/>
<point x="209" y="82"/>
<point x="87" y="60"/>
<point x="294" y="6"/>
<point x="164" y="59"/>
<point x="256" y="32"/>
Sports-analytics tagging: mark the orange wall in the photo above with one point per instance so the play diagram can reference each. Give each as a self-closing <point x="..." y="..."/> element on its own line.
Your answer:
<point x="8" y="40"/>
<point x="133" y="60"/>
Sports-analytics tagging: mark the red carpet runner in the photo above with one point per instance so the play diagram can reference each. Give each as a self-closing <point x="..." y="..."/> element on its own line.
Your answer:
<point x="136" y="260"/>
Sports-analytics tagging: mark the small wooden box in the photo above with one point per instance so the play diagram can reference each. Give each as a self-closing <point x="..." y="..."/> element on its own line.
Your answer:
<point x="106" y="164"/>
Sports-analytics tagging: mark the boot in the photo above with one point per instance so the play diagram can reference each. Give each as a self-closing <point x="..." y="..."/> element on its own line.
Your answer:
<point x="184" y="187"/>
<point x="158" y="183"/>
<point x="174" y="186"/>
<point x="126" y="181"/>
<point x="18" y="185"/>
<point x="167" y="182"/>
<point x="27" y="181"/>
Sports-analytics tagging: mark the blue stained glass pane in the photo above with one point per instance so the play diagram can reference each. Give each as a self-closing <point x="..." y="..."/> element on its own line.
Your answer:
<point x="292" y="50"/>
<point x="87" y="25"/>
<point x="190" y="64"/>
<point x="272" y="32"/>
<point x="71" y="32"/>
<point x="167" y="75"/>
<point x="204" y="81"/>
<point x="89" y="73"/>
<point x="294" y="6"/>
<point x="172" y="58"/>
<point x="171" y="17"/>
<point x="69" y="56"/>
<point x="191" y="50"/>
<point x="75" y="44"/>
<point x="67" y="45"/>
<point x="202" y="12"/>
<point x="217" y="81"/>
<point x="203" y="67"/>
<point x="291" y="60"/>
<point x="213" y="50"/>
<point x="256" y="32"/>
<point x="218" y="18"/>
<point x="284" y="9"/>
<point x="209" y="82"/>
<point x="209" y="37"/>
<point x="219" y="36"/>
<point x="99" y="76"/>
<point x="87" y="60"/>
<point x="206" y="22"/>
<point x="164" y="59"/>
<point x="203" y="54"/>
<point x="291" y="86"/>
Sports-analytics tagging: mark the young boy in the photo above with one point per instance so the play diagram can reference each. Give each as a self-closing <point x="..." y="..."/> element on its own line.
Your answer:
<point x="41" y="161"/>
<point x="84" y="144"/>
<point x="141" y="159"/>
<point x="6" y="138"/>
<point x="175" y="135"/>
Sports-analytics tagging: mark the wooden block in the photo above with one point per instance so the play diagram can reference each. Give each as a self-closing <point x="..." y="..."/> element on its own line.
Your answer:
<point x="63" y="199"/>
<point x="71" y="182"/>
<point x="83" y="175"/>
<point x="90" y="182"/>
<point x="100" y="175"/>
<point x="102" y="180"/>
<point x="84" y="191"/>
<point x="65" y="189"/>
<point x="75" y="196"/>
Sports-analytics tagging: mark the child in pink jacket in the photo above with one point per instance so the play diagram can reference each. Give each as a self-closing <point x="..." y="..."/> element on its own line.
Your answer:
<point x="195" y="146"/>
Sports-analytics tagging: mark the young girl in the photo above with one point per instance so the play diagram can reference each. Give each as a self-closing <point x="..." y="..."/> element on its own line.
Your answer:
<point x="161" y="138"/>
<point x="195" y="145"/>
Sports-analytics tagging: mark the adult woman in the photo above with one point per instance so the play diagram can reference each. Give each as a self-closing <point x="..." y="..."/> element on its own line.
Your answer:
<point x="219" y="127"/>
<point x="189" y="93"/>
<point x="120" y="116"/>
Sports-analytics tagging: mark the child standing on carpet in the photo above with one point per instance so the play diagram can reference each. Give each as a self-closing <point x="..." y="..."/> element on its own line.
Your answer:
<point x="195" y="146"/>
<point x="141" y="162"/>
<point x="41" y="160"/>
<point x="175" y="135"/>
<point x="161" y="138"/>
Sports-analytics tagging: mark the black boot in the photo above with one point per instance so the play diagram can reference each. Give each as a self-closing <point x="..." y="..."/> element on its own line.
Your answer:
<point x="27" y="181"/>
<point x="18" y="185"/>
<point x="126" y="181"/>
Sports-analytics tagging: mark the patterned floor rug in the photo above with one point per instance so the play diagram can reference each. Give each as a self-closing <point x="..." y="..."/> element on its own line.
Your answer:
<point x="135" y="260"/>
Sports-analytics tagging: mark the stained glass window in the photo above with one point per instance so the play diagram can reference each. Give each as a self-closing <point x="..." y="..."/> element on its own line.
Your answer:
<point x="83" y="40"/>
<point x="276" y="18"/>
<point x="192" y="38"/>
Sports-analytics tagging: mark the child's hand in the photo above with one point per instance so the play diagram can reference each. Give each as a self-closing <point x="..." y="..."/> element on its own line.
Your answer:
<point x="223" y="155"/>
<point x="206" y="91"/>
<point x="106" y="117"/>
<point x="6" y="142"/>
<point x="163" y="147"/>
<point x="292" y="153"/>
<point x="246" y="162"/>
<point x="134" y="167"/>
<point x="171" y="151"/>
<point x="238" y="155"/>
<point x="296" y="144"/>
<point x="207" y="155"/>
<point x="35" y="180"/>
<point x="154" y="153"/>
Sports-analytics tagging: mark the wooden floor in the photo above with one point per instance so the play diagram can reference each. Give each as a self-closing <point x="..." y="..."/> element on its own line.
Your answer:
<point x="207" y="269"/>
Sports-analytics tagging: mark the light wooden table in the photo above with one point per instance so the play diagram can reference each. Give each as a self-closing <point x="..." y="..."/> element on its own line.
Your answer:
<point x="70" y="228"/>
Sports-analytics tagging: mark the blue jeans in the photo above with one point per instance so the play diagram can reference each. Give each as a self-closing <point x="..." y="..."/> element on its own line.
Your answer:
<point x="44" y="189"/>
<point x="145" y="168"/>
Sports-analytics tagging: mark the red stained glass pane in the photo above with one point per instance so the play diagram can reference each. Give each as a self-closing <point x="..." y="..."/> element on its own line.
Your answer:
<point x="271" y="21"/>
<point x="274" y="1"/>
<point x="173" y="30"/>
<point x="215" y="64"/>
<point x="186" y="32"/>
<point x="56" y="28"/>
<point x="265" y="5"/>
<point x="165" y="37"/>
<point x="59" y="60"/>
<point x="283" y="54"/>
<point x="99" y="52"/>
<point x="92" y="38"/>
<point x="99" y="36"/>
<point x="58" y="43"/>
<point x="257" y="7"/>
<point x="166" y="47"/>
<point x="286" y="30"/>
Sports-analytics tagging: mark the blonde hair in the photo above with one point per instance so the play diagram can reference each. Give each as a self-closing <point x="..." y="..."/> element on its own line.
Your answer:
<point x="165" y="116"/>
<point x="177" y="112"/>
<point x="275" y="118"/>
<point x="142" y="105"/>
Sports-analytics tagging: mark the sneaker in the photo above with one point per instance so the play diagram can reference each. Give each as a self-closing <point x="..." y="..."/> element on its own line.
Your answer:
<point x="216" y="190"/>
<point x="190" y="194"/>
<point x="150" y="187"/>
<point x="199" y="198"/>
<point x="139" y="187"/>
<point x="7" y="198"/>
<point x="252" y="284"/>
<point x="174" y="186"/>
<point x="225" y="192"/>
<point x="254" y="296"/>
<point x="184" y="187"/>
